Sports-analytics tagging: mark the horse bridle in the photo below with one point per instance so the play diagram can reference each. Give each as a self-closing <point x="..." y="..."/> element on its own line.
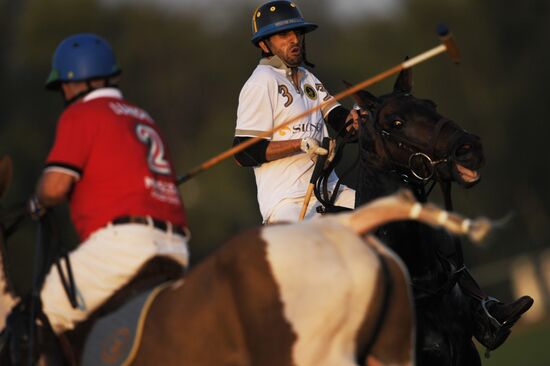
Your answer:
<point x="417" y="150"/>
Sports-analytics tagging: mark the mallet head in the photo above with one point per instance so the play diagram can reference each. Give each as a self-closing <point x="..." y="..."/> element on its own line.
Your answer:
<point x="447" y="39"/>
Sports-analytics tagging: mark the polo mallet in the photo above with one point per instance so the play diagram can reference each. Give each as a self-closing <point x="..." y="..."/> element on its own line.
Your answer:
<point x="317" y="170"/>
<point x="447" y="44"/>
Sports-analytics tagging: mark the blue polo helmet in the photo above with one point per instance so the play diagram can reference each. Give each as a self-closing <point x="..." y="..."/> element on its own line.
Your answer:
<point x="82" y="57"/>
<point x="277" y="16"/>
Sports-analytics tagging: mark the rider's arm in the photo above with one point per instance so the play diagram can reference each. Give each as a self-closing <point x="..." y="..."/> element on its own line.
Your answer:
<point x="253" y="155"/>
<point x="274" y="150"/>
<point x="54" y="187"/>
<point x="337" y="118"/>
<point x="282" y="149"/>
<point x="264" y="151"/>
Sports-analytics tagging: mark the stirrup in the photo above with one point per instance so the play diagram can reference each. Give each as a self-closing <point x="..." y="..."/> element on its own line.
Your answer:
<point x="500" y="332"/>
<point x="494" y="321"/>
<point x="497" y="331"/>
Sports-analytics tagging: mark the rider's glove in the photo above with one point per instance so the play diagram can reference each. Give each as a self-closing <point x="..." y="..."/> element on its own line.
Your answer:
<point x="311" y="147"/>
<point x="35" y="208"/>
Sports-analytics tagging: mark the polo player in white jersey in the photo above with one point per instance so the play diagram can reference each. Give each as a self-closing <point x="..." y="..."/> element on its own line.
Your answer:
<point x="279" y="89"/>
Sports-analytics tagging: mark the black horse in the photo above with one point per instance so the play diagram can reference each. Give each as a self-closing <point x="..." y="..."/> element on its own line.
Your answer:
<point x="405" y="142"/>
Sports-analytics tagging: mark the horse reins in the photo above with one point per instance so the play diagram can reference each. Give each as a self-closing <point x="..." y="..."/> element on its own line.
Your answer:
<point x="321" y="191"/>
<point x="16" y="216"/>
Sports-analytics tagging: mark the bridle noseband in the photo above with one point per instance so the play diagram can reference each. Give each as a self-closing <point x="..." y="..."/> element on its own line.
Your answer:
<point x="421" y="154"/>
<point x="431" y="163"/>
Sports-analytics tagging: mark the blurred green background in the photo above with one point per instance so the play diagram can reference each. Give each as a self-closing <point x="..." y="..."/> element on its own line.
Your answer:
<point x="185" y="62"/>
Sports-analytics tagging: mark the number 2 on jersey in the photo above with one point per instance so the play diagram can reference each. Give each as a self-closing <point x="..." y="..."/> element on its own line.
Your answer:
<point x="156" y="156"/>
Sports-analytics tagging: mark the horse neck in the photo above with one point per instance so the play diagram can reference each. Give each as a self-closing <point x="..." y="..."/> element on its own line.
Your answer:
<point x="375" y="181"/>
<point x="414" y="242"/>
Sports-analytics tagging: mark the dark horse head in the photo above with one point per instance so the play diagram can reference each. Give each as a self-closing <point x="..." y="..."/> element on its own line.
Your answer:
<point x="406" y="142"/>
<point x="407" y="136"/>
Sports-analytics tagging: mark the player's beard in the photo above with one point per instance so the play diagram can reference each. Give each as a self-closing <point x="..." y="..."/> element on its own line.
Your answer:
<point x="294" y="56"/>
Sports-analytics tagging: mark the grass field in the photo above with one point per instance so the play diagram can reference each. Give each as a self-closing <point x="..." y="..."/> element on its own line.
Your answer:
<point x="526" y="346"/>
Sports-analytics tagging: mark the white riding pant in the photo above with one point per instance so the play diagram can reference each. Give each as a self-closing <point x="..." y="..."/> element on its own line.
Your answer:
<point x="288" y="210"/>
<point x="104" y="263"/>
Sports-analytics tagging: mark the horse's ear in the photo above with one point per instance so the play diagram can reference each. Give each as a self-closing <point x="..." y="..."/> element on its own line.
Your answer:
<point x="363" y="98"/>
<point x="404" y="80"/>
<point x="6" y="172"/>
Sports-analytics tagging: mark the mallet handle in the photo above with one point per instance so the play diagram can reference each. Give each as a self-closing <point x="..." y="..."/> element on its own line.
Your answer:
<point x="424" y="56"/>
<point x="307" y="198"/>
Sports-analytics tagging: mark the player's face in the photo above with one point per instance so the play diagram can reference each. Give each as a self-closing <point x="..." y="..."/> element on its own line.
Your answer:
<point x="288" y="46"/>
<point x="71" y="90"/>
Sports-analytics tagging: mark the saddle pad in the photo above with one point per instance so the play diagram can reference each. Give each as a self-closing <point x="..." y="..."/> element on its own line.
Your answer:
<point x="115" y="338"/>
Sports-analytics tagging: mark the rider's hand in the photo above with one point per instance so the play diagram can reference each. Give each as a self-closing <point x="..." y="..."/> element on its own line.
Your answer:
<point x="35" y="208"/>
<point x="352" y="120"/>
<point x="311" y="147"/>
<point x="357" y="115"/>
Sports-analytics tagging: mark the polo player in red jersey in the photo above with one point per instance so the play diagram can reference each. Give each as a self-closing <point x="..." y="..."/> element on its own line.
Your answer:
<point x="112" y="165"/>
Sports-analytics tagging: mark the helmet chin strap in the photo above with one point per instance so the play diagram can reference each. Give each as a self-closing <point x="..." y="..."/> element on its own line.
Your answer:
<point x="82" y="94"/>
<point x="270" y="52"/>
<point x="68" y="102"/>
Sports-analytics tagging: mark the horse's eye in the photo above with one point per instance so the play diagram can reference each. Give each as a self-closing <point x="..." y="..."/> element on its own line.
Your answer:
<point x="397" y="123"/>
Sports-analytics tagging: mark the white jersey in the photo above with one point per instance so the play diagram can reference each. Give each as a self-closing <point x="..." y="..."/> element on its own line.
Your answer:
<point x="268" y="99"/>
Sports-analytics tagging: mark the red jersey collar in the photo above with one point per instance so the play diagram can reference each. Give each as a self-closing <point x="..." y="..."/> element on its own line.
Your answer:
<point x="103" y="93"/>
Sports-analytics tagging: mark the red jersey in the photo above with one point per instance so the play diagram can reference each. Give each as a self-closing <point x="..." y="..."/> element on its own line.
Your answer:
<point x="122" y="166"/>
